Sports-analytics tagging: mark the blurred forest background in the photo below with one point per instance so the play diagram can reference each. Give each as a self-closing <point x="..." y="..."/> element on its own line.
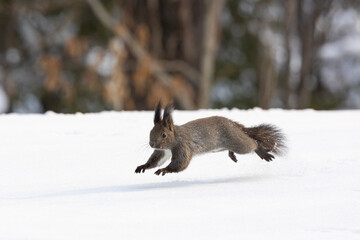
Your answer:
<point x="93" y="55"/>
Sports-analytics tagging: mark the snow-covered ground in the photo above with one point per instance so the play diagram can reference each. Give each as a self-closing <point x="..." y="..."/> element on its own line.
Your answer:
<point x="72" y="177"/>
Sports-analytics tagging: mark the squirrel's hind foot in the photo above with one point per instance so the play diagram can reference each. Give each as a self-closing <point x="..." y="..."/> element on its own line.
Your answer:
<point x="263" y="154"/>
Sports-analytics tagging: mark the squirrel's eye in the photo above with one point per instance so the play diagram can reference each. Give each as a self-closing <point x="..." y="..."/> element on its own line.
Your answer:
<point x="163" y="135"/>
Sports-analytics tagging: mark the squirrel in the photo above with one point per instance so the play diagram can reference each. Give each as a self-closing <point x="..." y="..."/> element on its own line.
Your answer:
<point x="211" y="134"/>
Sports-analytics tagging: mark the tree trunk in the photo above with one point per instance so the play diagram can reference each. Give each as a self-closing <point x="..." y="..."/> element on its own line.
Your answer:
<point x="289" y="26"/>
<point x="266" y="64"/>
<point x="266" y="76"/>
<point x="307" y="22"/>
<point x="213" y="10"/>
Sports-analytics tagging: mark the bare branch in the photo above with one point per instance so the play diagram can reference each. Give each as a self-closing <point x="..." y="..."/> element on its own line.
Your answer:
<point x="140" y="53"/>
<point x="180" y="66"/>
<point x="102" y="14"/>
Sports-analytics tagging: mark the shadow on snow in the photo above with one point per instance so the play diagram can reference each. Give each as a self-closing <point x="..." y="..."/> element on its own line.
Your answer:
<point x="149" y="186"/>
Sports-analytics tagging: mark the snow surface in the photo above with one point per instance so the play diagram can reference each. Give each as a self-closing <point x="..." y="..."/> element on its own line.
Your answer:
<point x="72" y="177"/>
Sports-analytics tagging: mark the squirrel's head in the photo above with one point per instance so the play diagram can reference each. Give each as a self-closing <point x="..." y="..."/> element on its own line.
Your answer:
<point x="162" y="136"/>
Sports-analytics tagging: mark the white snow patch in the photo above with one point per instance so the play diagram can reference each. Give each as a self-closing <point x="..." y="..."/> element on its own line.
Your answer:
<point x="72" y="177"/>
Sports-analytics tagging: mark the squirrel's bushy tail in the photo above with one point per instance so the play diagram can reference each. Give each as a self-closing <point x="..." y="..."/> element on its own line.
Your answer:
<point x="269" y="139"/>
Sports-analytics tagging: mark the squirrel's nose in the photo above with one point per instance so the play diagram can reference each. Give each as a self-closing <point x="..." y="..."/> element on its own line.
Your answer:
<point x="152" y="143"/>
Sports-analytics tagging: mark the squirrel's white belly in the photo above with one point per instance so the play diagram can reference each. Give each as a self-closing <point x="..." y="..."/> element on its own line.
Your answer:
<point x="167" y="156"/>
<point x="210" y="151"/>
<point x="217" y="150"/>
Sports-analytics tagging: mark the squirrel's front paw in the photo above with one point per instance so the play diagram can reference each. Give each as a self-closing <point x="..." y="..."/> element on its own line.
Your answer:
<point x="161" y="171"/>
<point x="140" y="168"/>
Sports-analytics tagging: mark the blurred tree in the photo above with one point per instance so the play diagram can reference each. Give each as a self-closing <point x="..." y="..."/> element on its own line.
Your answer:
<point x="236" y="84"/>
<point x="172" y="27"/>
<point x="267" y="77"/>
<point x="118" y="55"/>
<point x="290" y="17"/>
<point x="92" y="55"/>
<point x="272" y="54"/>
<point x="309" y="13"/>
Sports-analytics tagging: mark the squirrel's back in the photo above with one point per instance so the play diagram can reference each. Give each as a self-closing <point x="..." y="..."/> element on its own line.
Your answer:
<point x="212" y="133"/>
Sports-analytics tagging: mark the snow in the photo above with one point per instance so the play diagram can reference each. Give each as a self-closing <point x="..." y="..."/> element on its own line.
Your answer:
<point x="72" y="177"/>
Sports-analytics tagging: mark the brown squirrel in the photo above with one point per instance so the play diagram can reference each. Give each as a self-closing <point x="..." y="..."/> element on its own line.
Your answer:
<point x="181" y="143"/>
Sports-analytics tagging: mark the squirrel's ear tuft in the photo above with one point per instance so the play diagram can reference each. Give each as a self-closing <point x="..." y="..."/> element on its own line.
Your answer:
<point x="167" y="116"/>
<point x="157" y="116"/>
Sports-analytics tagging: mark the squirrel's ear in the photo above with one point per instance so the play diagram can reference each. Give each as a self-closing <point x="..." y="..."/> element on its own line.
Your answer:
<point x="157" y="116"/>
<point x="168" y="121"/>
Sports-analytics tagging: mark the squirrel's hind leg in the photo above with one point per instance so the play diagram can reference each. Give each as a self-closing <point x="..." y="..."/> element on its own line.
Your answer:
<point x="232" y="156"/>
<point x="240" y="144"/>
